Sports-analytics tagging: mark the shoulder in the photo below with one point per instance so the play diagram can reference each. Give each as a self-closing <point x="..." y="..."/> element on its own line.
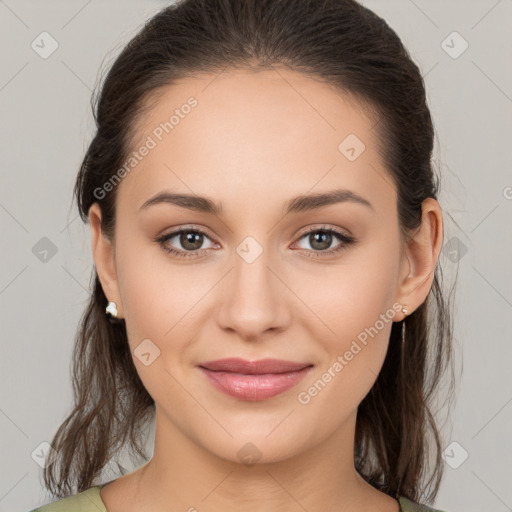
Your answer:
<point x="410" y="506"/>
<point x="85" y="501"/>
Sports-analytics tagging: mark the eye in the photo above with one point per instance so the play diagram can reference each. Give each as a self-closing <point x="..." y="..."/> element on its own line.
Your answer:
<point x="190" y="240"/>
<point x="321" y="239"/>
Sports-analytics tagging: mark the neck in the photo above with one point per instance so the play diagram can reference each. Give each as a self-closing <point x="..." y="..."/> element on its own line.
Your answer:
<point x="183" y="475"/>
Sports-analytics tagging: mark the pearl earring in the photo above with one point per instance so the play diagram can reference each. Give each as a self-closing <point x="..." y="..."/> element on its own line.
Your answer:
<point x="111" y="309"/>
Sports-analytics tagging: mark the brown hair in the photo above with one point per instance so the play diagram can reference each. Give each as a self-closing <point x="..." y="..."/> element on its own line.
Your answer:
<point x="343" y="44"/>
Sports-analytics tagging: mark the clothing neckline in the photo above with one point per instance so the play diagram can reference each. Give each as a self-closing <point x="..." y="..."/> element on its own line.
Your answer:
<point x="96" y="497"/>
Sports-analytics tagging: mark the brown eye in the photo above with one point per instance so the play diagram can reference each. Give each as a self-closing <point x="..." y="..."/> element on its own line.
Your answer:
<point x="191" y="240"/>
<point x="185" y="242"/>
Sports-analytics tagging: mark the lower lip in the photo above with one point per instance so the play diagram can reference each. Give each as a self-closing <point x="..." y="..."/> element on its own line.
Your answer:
<point x="254" y="387"/>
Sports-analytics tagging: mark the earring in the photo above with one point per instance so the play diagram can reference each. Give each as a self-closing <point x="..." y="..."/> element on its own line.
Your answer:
<point x="111" y="309"/>
<point x="404" y="311"/>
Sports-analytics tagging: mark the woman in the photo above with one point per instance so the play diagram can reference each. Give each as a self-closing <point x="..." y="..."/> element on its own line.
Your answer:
<point x="266" y="233"/>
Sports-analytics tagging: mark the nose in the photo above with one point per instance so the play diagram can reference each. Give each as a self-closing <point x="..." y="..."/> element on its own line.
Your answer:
<point x="254" y="300"/>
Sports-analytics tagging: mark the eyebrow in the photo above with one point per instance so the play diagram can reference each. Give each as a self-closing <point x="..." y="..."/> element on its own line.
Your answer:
<point x="298" y="204"/>
<point x="313" y="201"/>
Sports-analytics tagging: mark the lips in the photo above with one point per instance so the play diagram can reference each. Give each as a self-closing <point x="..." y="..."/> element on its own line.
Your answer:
<point x="263" y="366"/>
<point x="254" y="380"/>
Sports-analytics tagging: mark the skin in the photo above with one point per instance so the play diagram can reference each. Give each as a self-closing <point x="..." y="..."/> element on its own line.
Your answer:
<point x="254" y="141"/>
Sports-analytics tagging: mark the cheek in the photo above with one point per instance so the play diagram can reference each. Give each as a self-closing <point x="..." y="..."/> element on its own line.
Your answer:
<point x="164" y="303"/>
<point x="155" y="293"/>
<point x="352" y="321"/>
<point x="353" y="357"/>
<point x="343" y="300"/>
<point x="158" y="305"/>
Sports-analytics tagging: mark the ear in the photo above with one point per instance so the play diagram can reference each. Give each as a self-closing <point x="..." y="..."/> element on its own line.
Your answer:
<point x="104" y="257"/>
<point x="421" y="256"/>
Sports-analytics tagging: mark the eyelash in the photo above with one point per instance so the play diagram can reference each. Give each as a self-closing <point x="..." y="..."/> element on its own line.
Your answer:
<point x="345" y="239"/>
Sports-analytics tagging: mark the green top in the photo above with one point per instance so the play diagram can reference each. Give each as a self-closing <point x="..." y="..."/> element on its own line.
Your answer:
<point x="90" y="501"/>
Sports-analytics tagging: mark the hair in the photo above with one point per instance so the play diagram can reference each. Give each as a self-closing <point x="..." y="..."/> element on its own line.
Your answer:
<point x="339" y="42"/>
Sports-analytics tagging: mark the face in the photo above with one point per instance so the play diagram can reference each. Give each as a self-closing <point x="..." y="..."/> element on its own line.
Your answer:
<point x="266" y="275"/>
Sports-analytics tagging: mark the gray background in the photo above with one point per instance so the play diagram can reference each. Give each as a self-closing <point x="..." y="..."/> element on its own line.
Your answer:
<point x="46" y="126"/>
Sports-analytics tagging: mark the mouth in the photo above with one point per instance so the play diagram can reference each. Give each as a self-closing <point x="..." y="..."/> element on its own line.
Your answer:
<point x="254" y="380"/>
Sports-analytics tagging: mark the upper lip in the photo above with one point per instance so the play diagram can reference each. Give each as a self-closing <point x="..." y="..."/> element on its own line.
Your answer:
<point x="238" y="365"/>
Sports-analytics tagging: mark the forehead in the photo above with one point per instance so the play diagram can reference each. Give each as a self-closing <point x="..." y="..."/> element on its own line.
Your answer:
<point x="276" y="132"/>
